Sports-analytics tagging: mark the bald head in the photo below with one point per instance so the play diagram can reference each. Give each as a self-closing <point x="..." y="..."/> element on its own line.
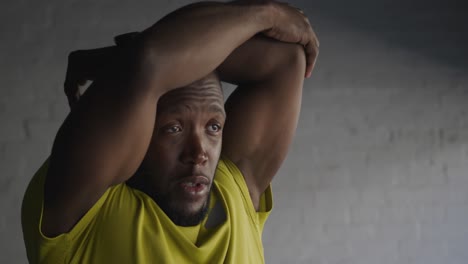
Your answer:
<point x="205" y="93"/>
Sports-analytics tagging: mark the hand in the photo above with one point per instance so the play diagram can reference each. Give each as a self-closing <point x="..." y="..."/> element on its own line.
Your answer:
<point x="292" y="25"/>
<point x="87" y="65"/>
<point x="84" y="66"/>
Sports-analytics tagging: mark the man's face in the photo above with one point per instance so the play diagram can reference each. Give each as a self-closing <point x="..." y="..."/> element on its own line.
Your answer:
<point x="181" y="161"/>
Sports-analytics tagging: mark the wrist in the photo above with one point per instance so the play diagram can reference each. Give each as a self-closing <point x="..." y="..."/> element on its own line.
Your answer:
<point x="272" y="13"/>
<point x="260" y="14"/>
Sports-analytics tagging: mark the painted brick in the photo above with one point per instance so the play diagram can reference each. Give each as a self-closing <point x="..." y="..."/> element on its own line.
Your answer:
<point x="377" y="173"/>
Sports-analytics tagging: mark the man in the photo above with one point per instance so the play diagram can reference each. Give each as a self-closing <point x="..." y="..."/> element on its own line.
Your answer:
<point x="149" y="167"/>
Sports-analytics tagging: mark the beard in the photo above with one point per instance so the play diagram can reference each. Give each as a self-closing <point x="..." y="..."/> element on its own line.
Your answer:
<point x="180" y="215"/>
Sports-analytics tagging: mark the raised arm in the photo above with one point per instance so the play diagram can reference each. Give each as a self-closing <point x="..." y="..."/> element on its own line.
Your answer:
<point x="262" y="113"/>
<point x="105" y="137"/>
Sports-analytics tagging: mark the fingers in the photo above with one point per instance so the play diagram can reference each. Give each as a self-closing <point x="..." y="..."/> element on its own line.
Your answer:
<point x="72" y="97"/>
<point x="298" y="9"/>
<point x="311" y="48"/>
<point x="70" y="87"/>
<point x="83" y="66"/>
<point x="74" y="77"/>
<point x="72" y="92"/>
<point x="314" y="37"/>
<point x="311" y="53"/>
<point x="309" y="41"/>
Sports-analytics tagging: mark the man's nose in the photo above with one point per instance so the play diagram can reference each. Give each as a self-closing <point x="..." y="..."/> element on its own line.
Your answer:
<point x="195" y="151"/>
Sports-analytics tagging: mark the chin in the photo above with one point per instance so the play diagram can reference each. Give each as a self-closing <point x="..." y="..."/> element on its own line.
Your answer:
<point x="185" y="213"/>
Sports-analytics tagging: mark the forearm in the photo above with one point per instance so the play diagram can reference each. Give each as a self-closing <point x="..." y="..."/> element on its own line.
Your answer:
<point x="193" y="41"/>
<point x="259" y="59"/>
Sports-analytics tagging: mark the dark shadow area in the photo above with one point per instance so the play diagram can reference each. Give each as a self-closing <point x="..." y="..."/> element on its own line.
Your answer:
<point x="436" y="29"/>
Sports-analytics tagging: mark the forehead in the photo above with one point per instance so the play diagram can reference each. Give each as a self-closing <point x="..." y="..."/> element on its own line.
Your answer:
<point x="204" y="95"/>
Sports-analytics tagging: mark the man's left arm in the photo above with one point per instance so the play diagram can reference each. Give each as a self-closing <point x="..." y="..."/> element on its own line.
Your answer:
<point x="262" y="113"/>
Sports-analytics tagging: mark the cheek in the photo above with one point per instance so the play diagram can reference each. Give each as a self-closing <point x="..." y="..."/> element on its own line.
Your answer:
<point x="166" y="153"/>
<point x="162" y="153"/>
<point x="216" y="150"/>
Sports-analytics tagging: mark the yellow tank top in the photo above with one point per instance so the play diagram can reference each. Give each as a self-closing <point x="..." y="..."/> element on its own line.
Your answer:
<point x="127" y="226"/>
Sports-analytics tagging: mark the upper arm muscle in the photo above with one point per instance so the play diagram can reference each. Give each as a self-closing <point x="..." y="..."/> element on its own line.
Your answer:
<point x="261" y="123"/>
<point x="101" y="142"/>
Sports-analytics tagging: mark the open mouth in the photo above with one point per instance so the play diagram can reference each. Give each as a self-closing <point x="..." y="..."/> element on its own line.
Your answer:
<point x="194" y="185"/>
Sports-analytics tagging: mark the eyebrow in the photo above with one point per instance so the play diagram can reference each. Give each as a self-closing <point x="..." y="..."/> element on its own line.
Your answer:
<point x="214" y="108"/>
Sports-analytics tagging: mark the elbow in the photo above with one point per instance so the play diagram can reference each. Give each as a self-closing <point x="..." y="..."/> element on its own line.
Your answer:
<point x="297" y="61"/>
<point x="293" y="61"/>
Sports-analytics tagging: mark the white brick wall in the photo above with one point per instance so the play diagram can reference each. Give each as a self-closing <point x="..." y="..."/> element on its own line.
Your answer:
<point x="378" y="172"/>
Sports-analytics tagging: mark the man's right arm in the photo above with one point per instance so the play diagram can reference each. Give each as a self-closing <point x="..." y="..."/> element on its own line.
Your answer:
<point x="106" y="135"/>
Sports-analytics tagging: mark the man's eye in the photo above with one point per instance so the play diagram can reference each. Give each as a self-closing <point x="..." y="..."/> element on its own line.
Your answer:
<point x="214" y="128"/>
<point x="173" y="129"/>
